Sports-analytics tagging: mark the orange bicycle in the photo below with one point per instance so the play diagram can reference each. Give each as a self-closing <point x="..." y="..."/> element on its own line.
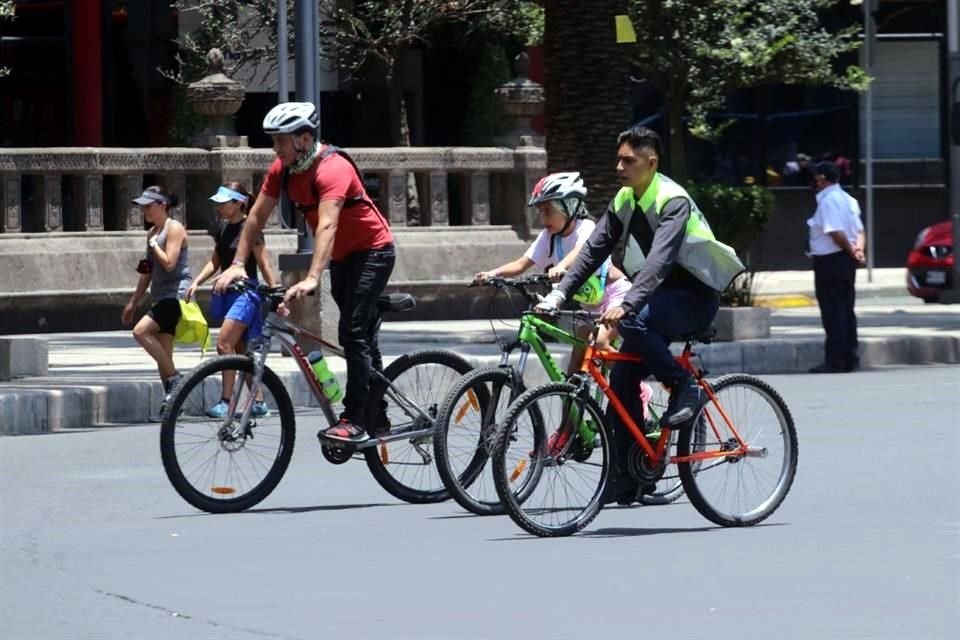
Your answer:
<point x="736" y="460"/>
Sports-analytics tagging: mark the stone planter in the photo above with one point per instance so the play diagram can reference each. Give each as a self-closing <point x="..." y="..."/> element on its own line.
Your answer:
<point x="742" y="323"/>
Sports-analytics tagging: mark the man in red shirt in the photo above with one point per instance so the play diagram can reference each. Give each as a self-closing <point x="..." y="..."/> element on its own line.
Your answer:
<point x="349" y="232"/>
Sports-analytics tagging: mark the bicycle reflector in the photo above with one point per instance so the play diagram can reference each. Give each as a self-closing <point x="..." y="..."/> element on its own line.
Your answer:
<point x="471" y="402"/>
<point x="518" y="469"/>
<point x="223" y="491"/>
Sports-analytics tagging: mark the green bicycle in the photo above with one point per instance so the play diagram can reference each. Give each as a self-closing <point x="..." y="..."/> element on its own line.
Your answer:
<point x="467" y="420"/>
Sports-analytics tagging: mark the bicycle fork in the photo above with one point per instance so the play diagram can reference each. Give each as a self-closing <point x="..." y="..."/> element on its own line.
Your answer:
<point x="236" y="422"/>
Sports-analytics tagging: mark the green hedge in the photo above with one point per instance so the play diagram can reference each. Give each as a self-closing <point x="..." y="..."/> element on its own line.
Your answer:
<point x="737" y="216"/>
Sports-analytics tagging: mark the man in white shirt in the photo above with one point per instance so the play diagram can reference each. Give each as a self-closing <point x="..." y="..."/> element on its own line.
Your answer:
<point x="836" y="245"/>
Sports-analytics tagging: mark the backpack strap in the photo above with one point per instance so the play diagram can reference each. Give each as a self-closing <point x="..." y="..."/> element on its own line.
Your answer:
<point x="349" y="202"/>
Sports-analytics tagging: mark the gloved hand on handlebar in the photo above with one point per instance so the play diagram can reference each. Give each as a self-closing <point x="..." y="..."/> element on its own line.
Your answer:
<point x="551" y="301"/>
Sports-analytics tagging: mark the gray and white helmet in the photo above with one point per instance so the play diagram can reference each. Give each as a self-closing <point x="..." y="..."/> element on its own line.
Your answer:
<point x="558" y="186"/>
<point x="289" y="117"/>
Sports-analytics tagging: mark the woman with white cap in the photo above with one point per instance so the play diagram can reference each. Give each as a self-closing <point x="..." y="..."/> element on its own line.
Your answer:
<point x="240" y="312"/>
<point x="165" y="270"/>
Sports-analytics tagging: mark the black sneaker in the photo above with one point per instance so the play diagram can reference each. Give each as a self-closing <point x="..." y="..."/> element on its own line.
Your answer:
<point x="622" y="491"/>
<point x="686" y="400"/>
<point x="168" y="387"/>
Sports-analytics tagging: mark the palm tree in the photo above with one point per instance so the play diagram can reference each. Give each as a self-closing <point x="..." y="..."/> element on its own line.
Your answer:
<point x="586" y="81"/>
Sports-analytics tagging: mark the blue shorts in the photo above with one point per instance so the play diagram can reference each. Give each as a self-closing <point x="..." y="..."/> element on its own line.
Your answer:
<point x="240" y="307"/>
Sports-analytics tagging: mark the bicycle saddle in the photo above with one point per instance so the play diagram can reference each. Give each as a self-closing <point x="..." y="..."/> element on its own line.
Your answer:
<point x="396" y="302"/>
<point x="704" y="337"/>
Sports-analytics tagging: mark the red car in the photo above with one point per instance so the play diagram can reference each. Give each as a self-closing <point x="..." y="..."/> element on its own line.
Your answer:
<point x="930" y="263"/>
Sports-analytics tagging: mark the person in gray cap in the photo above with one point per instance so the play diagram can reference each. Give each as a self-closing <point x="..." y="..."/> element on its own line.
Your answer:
<point x="836" y="244"/>
<point x="165" y="271"/>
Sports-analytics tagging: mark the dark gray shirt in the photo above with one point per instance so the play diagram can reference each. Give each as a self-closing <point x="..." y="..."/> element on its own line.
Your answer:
<point x="660" y="246"/>
<point x="168" y="284"/>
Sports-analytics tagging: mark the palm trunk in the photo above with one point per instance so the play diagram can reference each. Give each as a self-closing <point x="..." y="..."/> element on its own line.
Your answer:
<point x="587" y="92"/>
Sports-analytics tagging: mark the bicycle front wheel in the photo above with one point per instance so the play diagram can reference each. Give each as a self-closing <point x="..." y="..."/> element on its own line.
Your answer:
<point x="554" y="444"/>
<point x="465" y="434"/>
<point x="211" y="461"/>
<point x="742" y="489"/>
<point x="405" y="467"/>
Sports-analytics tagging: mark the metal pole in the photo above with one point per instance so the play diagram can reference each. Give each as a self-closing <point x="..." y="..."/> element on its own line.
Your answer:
<point x="306" y="61"/>
<point x="305" y="65"/>
<point x="953" y="77"/>
<point x="315" y="54"/>
<point x="868" y="32"/>
<point x="283" y="89"/>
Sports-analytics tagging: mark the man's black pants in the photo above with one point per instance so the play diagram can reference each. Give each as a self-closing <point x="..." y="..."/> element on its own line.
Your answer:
<point x="355" y="283"/>
<point x="834" y="277"/>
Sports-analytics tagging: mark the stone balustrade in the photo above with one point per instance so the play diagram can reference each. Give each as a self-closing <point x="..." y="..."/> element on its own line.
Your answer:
<point x="81" y="189"/>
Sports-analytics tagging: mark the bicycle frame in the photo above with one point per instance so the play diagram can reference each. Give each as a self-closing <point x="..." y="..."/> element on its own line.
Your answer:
<point x="593" y="362"/>
<point x="287" y="333"/>
<point x="530" y="336"/>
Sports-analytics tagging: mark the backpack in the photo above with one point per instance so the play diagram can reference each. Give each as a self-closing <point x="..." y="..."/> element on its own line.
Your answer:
<point x="329" y="150"/>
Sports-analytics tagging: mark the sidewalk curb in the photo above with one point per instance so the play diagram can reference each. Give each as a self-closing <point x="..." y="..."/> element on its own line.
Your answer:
<point x="27" y="409"/>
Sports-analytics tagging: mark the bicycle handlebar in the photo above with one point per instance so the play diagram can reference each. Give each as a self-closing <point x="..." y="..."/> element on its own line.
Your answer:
<point x="274" y="294"/>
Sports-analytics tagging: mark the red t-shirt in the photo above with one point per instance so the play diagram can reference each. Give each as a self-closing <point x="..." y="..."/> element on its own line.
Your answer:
<point x="360" y="227"/>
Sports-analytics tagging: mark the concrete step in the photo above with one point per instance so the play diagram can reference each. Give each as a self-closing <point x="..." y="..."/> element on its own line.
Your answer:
<point x="45" y="404"/>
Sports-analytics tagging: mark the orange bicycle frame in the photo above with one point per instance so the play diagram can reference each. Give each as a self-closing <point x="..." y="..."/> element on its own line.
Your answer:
<point x="593" y="362"/>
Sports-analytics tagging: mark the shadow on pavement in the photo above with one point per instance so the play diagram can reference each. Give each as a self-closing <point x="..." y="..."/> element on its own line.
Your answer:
<point x="456" y="516"/>
<point x="321" y="507"/>
<point x="623" y="532"/>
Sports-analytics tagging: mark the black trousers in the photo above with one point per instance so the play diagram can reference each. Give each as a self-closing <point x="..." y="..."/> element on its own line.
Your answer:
<point x="355" y="283"/>
<point x="834" y="277"/>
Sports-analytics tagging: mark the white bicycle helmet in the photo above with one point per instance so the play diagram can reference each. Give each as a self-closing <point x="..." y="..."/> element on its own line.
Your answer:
<point x="558" y="186"/>
<point x="289" y="117"/>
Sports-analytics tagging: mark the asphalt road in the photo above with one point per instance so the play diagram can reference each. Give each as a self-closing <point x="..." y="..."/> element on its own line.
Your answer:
<point x="94" y="543"/>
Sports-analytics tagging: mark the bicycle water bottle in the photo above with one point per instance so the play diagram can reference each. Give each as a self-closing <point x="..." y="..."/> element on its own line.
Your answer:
<point x="328" y="381"/>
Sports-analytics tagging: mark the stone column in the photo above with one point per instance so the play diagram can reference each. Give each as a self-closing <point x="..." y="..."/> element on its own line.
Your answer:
<point x="522" y="100"/>
<point x="439" y="202"/>
<point x="88" y="193"/>
<point x="397" y="194"/>
<point x="478" y="192"/>
<point x="52" y="203"/>
<point x="11" y="217"/>
<point x="177" y="183"/>
<point x="127" y="188"/>
<point x="216" y="97"/>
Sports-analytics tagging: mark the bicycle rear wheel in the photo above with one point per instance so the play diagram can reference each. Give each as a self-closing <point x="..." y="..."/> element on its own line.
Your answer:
<point x="563" y="475"/>
<point x="744" y="489"/>
<point x="210" y="467"/>
<point x="405" y="467"/>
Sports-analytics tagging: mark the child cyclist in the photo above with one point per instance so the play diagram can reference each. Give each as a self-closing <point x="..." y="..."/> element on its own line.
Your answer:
<point x="558" y="198"/>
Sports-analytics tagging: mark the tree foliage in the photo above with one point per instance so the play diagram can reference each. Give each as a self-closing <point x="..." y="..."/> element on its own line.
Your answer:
<point x="351" y="34"/>
<point x="382" y="29"/>
<point x="698" y="52"/>
<point x="244" y="30"/>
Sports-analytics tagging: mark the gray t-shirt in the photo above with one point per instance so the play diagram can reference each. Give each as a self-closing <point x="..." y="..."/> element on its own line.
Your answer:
<point x="168" y="284"/>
